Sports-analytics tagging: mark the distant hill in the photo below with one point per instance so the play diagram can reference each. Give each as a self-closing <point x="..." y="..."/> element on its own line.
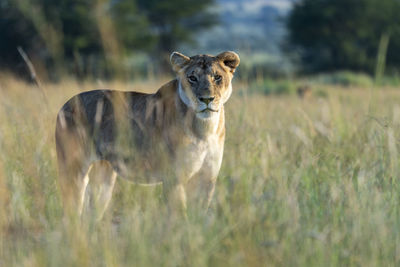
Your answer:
<point x="247" y="25"/>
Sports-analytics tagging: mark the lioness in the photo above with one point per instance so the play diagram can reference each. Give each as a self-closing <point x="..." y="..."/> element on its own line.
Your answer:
<point x="174" y="137"/>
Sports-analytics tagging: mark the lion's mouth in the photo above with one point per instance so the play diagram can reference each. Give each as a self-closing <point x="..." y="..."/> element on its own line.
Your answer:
<point x="208" y="109"/>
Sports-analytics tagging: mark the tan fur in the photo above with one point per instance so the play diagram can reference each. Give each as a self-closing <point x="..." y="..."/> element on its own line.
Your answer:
<point x="174" y="137"/>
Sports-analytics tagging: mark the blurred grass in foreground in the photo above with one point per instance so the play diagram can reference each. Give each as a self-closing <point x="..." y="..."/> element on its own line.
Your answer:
<point x="304" y="182"/>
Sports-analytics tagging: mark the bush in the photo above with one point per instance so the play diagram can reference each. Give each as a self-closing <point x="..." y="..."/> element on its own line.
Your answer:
<point x="346" y="79"/>
<point x="273" y="87"/>
<point x="390" y="81"/>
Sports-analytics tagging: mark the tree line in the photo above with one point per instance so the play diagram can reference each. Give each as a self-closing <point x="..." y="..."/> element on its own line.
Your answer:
<point x="358" y="35"/>
<point x="88" y="36"/>
<point x="96" y="37"/>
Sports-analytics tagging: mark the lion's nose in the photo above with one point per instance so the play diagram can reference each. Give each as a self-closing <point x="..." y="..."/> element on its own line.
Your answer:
<point x="206" y="100"/>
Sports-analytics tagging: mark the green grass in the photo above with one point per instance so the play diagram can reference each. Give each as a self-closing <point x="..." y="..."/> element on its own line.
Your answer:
<point x="309" y="182"/>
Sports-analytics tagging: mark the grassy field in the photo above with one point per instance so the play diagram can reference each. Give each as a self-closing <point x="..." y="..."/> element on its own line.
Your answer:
<point x="304" y="182"/>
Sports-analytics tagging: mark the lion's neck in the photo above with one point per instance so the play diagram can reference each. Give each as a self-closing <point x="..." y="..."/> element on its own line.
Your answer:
<point x="207" y="127"/>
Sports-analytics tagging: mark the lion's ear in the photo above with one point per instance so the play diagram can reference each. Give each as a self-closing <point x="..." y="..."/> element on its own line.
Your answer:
<point x="229" y="59"/>
<point x="178" y="61"/>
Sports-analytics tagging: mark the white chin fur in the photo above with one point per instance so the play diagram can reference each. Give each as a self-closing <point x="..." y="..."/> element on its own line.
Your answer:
<point x="207" y="115"/>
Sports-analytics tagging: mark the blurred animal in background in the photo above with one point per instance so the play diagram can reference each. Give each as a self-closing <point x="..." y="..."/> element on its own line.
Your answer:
<point x="304" y="91"/>
<point x="174" y="137"/>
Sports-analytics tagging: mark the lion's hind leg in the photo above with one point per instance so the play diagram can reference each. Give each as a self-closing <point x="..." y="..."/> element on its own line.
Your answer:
<point x="99" y="192"/>
<point x="73" y="169"/>
<point x="73" y="181"/>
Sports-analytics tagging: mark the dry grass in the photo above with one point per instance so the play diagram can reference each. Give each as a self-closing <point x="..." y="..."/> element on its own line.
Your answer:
<point x="303" y="183"/>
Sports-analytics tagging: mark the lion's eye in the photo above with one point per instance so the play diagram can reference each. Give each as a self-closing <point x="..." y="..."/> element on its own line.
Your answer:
<point x="192" y="79"/>
<point x="217" y="78"/>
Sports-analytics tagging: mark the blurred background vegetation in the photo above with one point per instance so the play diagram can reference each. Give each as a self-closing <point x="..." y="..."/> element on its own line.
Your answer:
<point x="133" y="38"/>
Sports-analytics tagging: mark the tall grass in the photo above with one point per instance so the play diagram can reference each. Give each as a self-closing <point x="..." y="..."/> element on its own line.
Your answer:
<point x="303" y="183"/>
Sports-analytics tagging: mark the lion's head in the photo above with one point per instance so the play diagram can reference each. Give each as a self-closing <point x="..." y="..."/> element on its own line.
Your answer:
<point x="205" y="81"/>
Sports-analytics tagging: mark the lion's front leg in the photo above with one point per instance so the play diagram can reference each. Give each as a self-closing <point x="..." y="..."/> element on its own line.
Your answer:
<point x="200" y="191"/>
<point x="200" y="188"/>
<point x="175" y="197"/>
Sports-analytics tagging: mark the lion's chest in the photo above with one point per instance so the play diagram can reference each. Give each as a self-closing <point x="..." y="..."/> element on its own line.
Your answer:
<point x="200" y="155"/>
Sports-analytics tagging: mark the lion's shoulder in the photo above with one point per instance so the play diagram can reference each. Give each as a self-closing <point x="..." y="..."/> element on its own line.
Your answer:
<point x="168" y="90"/>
